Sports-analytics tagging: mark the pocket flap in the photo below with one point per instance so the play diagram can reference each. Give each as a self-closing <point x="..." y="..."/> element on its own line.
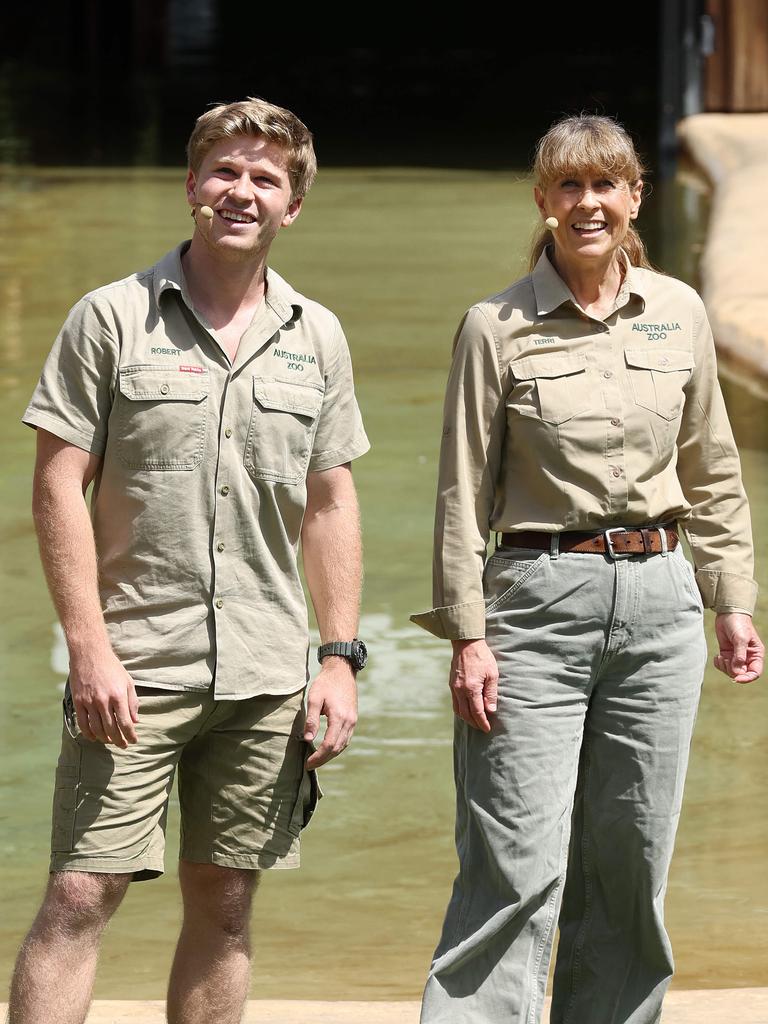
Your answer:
<point x="664" y="359"/>
<point x="164" y="383"/>
<point x="548" y="366"/>
<point x="288" y="396"/>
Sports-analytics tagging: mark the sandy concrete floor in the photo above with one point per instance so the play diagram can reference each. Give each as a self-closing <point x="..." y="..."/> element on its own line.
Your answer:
<point x="705" y="1006"/>
<point x="732" y="150"/>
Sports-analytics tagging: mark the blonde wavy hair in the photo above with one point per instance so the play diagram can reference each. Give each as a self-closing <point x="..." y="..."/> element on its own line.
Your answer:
<point x="257" y="117"/>
<point x="588" y="143"/>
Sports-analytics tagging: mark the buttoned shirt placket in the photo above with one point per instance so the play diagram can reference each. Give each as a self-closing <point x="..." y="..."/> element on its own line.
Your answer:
<point x="271" y="315"/>
<point x="609" y="367"/>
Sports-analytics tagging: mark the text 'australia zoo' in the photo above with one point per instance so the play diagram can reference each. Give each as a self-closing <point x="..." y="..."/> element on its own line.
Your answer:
<point x="295" y="358"/>
<point x="656" y="332"/>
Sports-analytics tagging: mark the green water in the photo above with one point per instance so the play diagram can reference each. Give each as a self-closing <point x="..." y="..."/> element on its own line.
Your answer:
<point x="399" y="255"/>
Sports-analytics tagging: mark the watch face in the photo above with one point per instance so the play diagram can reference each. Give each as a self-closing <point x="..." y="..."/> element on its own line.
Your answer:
<point x="359" y="654"/>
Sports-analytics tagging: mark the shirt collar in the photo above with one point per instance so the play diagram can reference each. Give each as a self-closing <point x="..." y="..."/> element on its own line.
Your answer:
<point x="551" y="291"/>
<point x="280" y="297"/>
<point x="633" y="284"/>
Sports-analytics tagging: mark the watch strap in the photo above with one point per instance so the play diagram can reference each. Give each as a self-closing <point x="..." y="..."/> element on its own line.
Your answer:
<point x="341" y="648"/>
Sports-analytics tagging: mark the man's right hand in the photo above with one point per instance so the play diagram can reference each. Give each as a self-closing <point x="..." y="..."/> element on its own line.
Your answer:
<point x="474" y="682"/>
<point x="105" y="699"/>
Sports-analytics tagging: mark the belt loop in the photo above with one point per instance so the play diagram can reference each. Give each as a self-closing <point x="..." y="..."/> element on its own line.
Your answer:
<point x="554" y="546"/>
<point x="497" y="535"/>
<point x="664" y="544"/>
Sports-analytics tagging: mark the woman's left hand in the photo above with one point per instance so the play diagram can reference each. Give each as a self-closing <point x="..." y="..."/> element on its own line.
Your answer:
<point x="741" y="649"/>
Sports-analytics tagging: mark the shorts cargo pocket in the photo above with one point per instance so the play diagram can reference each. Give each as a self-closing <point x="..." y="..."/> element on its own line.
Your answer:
<point x="307" y="800"/>
<point x="161" y="417"/>
<point x="657" y="377"/>
<point x="282" y="429"/>
<point x="553" y="387"/>
<point x="65" y="797"/>
<point x="505" y="577"/>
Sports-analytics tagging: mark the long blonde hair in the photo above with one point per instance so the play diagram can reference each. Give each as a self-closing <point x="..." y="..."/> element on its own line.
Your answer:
<point x="588" y="143"/>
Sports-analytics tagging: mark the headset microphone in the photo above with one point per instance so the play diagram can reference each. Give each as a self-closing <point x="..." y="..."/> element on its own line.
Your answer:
<point x="205" y="212"/>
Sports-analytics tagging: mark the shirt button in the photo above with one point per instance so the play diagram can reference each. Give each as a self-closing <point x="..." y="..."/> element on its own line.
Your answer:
<point x="615" y="471"/>
<point x="224" y="490"/>
<point x="164" y="389"/>
<point x="220" y="546"/>
<point x="219" y="603"/>
<point x="664" y="362"/>
<point x="615" y="422"/>
<point x="228" y="432"/>
<point x="607" y="374"/>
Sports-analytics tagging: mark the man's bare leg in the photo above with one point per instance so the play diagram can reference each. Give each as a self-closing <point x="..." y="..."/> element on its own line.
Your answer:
<point x="54" y="973"/>
<point x="211" y="969"/>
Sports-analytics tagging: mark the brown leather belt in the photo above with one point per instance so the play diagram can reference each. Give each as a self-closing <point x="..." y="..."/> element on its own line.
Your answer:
<point x="616" y="542"/>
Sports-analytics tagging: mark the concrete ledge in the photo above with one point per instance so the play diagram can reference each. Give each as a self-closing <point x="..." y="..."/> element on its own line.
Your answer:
<point x="732" y="150"/>
<point x="703" y="1006"/>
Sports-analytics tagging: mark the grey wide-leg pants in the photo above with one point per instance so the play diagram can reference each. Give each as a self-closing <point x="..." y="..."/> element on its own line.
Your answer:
<point x="569" y="806"/>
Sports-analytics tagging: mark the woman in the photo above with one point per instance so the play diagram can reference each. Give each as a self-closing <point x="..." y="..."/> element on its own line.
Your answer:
<point x="583" y="423"/>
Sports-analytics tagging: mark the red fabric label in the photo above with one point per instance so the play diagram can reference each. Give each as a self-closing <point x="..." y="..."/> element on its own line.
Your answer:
<point x="191" y="369"/>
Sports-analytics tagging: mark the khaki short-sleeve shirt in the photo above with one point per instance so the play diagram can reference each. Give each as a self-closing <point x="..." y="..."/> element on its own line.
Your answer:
<point x="198" y="501"/>
<point x="558" y="421"/>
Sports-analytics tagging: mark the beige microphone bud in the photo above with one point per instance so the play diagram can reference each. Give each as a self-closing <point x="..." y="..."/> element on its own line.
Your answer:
<point x="552" y="223"/>
<point x="207" y="212"/>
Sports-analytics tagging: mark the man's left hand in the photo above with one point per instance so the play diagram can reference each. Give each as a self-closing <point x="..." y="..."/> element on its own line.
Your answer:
<point x="741" y="652"/>
<point x="333" y="694"/>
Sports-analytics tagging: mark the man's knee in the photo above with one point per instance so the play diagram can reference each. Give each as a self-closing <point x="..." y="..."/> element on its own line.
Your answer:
<point x="221" y="895"/>
<point x="78" y="901"/>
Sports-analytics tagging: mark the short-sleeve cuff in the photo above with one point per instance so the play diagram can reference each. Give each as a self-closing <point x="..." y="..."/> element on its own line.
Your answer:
<point x="66" y="431"/>
<point x="726" y="592"/>
<point x="454" y="622"/>
<point x="339" y="456"/>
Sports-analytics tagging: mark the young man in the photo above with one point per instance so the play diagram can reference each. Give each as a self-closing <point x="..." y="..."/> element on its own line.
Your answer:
<point x="213" y="408"/>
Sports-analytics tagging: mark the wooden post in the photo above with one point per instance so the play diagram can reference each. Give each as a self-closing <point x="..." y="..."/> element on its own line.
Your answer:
<point x="736" y="73"/>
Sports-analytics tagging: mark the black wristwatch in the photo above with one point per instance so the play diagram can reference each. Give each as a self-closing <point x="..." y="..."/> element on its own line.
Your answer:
<point x="354" y="651"/>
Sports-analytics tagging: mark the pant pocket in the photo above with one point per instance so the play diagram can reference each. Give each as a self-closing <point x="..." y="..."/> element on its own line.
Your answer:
<point x="689" y="578"/>
<point x="65" y="797"/>
<point x="506" y="577"/>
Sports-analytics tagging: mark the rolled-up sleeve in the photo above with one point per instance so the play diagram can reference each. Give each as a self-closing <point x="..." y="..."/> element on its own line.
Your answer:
<point x="474" y="421"/>
<point x="718" y="528"/>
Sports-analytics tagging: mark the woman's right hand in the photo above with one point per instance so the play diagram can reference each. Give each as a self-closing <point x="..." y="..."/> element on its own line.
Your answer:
<point x="474" y="682"/>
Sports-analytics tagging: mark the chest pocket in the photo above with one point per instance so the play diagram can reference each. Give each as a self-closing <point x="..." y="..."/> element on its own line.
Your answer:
<point x="282" y="428"/>
<point x="657" y="377"/>
<point x="553" y="387"/>
<point x="161" y="417"/>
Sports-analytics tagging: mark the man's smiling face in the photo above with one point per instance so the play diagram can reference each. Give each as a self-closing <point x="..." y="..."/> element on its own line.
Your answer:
<point x="245" y="182"/>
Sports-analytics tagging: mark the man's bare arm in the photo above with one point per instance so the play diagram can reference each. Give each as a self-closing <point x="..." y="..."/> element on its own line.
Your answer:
<point x="332" y="556"/>
<point x="102" y="691"/>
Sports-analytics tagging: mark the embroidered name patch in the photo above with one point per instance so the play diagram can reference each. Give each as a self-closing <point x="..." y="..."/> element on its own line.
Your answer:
<point x="657" y="332"/>
<point x="296" y="360"/>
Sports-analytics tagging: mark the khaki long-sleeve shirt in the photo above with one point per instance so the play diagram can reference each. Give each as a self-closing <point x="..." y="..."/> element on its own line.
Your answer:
<point x="558" y="421"/>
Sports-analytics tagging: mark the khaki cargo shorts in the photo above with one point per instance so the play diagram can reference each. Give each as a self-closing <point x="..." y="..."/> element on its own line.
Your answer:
<point x="244" y="791"/>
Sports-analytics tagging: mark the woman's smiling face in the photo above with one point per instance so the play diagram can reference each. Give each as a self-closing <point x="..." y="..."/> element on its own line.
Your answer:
<point x="593" y="210"/>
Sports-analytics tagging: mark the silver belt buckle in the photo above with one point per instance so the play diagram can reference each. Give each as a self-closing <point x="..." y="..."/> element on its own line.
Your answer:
<point x="615" y="555"/>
